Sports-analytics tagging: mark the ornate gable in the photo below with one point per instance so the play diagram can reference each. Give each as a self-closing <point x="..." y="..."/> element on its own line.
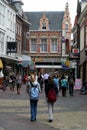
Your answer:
<point x="44" y="23"/>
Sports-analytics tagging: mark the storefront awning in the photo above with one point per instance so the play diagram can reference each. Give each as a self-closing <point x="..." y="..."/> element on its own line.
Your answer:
<point x="10" y="58"/>
<point x="26" y="61"/>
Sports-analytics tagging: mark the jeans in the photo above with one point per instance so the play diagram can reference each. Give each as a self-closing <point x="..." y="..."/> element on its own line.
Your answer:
<point x="63" y="91"/>
<point x="33" y="106"/>
<point x="71" y="89"/>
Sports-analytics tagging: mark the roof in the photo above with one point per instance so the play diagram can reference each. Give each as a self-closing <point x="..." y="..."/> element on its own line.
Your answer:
<point x="55" y="19"/>
<point x="84" y="0"/>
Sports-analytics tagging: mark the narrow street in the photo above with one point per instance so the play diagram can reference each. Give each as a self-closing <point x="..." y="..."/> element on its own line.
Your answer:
<point x="70" y="113"/>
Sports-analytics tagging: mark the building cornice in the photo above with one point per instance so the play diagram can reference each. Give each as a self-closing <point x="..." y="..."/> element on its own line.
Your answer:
<point x="45" y="31"/>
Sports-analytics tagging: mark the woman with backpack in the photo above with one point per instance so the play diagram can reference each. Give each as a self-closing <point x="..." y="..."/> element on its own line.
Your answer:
<point x="33" y="89"/>
<point x="51" y="93"/>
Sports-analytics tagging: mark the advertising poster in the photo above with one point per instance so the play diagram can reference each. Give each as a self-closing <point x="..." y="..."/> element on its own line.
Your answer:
<point x="78" y="84"/>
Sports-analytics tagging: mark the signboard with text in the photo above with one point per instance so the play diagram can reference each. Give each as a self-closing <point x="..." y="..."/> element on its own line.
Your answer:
<point x="11" y="47"/>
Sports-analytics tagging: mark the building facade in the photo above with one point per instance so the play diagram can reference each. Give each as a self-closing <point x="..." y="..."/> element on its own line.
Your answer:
<point x="50" y="37"/>
<point x="13" y="26"/>
<point x="80" y="39"/>
<point x="82" y="21"/>
<point x="7" y="29"/>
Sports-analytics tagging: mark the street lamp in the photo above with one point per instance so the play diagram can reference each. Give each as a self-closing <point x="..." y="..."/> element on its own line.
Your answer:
<point x="27" y="35"/>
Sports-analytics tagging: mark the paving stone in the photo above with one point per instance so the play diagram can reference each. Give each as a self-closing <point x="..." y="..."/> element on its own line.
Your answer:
<point x="70" y="113"/>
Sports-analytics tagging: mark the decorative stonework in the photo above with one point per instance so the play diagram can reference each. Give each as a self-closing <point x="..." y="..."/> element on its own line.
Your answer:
<point x="44" y="23"/>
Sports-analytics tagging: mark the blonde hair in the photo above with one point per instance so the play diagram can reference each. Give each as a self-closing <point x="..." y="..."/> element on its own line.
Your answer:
<point x="32" y="78"/>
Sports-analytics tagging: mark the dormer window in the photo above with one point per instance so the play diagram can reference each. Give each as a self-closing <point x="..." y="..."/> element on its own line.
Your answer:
<point x="44" y="22"/>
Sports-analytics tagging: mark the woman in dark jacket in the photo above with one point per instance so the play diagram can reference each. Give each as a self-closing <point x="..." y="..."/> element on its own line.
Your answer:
<point x="50" y="86"/>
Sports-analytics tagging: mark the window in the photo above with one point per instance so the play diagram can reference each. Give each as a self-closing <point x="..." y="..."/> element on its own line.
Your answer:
<point x="19" y="47"/>
<point x="82" y="38"/>
<point x="0" y="8"/>
<point x="1" y="41"/>
<point x="86" y="35"/>
<point x="33" y="45"/>
<point x="2" y="14"/>
<point x="44" y="45"/>
<point x="53" y="45"/>
<point x="66" y="27"/>
<point x="44" y="25"/>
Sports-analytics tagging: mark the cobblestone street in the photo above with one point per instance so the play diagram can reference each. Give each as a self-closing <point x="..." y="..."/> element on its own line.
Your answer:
<point x="70" y="113"/>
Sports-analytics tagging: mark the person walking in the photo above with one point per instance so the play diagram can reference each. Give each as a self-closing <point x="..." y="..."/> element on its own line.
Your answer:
<point x="71" y="81"/>
<point x="51" y="92"/>
<point x="33" y="88"/>
<point x="18" y="82"/>
<point x="45" y="78"/>
<point x="12" y="80"/>
<point x="64" y="84"/>
<point x="1" y="79"/>
<point x="40" y="80"/>
<point x="56" y="81"/>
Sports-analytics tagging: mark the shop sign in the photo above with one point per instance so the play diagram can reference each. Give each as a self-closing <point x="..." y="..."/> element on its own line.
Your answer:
<point x="75" y="51"/>
<point x="11" y="47"/>
<point x="73" y="56"/>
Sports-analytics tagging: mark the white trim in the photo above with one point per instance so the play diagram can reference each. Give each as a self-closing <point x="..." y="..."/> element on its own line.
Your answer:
<point x="11" y="58"/>
<point x="48" y="66"/>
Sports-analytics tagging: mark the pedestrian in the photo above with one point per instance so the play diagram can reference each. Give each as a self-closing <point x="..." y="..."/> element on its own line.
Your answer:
<point x="56" y="81"/>
<point x="33" y="88"/>
<point x="50" y="87"/>
<point x="60" y="87"/>
<point x="40" y="80"/>
<point x="25" y="77"/>
<point x="12" y="81"/>
<point x="35" y="75"/>
<point x="45" y="77"/>
<point x="18" y="82"/>
<point x="1" y="79"/>
<point x="71" y="81"/>
<point x="64" y="84"/>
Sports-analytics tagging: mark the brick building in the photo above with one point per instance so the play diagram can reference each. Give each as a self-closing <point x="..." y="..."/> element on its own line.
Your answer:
<point x="50" y="37"/>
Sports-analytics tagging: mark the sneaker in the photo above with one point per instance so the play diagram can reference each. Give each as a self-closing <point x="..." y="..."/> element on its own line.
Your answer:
<point x="33" y="120"/>
<point x="50" y="120"/>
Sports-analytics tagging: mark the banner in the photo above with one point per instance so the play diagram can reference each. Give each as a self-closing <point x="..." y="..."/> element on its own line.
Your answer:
<point x="1" y="64"/>
<point x="78" y="84"/>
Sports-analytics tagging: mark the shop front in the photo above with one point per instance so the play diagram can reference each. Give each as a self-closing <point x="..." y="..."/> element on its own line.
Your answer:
<point x="1" y="73"/>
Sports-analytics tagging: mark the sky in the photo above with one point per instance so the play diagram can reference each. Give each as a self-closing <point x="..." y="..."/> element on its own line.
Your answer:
<point x="51" y="5"/>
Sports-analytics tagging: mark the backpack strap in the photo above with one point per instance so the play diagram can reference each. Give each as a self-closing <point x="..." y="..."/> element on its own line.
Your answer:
<point x="32" y="84"/>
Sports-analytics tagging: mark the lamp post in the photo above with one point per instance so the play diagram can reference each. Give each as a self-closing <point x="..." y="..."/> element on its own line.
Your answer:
<point x="27" y="35"/>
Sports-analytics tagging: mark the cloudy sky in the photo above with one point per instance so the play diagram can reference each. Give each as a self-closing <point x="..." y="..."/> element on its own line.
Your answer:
<point x="51" y="5"/>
